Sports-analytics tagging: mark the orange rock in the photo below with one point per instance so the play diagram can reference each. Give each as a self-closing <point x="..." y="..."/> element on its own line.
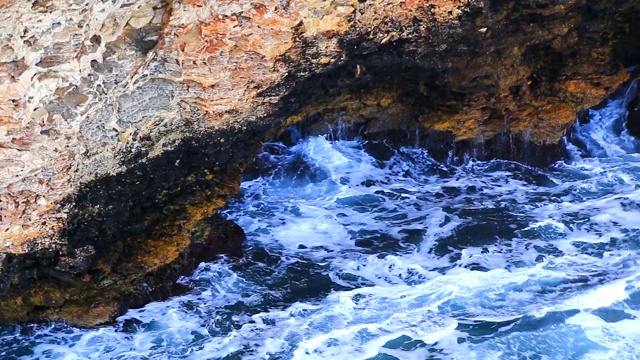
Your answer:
<point x="109" y="113"/>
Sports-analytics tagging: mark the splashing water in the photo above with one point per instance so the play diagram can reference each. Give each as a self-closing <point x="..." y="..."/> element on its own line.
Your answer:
<point x="362" y="251"/>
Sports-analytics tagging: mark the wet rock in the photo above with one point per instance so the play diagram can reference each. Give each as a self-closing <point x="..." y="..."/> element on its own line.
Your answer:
<point x="125" y="125"/>
<point x="633" y="107"/>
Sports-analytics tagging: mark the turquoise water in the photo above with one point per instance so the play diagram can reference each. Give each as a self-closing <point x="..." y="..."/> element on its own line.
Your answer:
<point x="359" y="250"/>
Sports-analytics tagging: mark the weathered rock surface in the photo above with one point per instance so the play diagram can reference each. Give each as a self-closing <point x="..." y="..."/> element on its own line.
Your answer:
<point x="125" y="124"/>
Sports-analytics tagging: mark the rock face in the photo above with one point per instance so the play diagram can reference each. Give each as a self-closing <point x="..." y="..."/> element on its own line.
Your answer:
<point x="125" y="124"/>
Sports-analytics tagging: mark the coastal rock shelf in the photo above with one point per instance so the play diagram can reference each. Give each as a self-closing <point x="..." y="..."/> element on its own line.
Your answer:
<point x="125" y="125"/>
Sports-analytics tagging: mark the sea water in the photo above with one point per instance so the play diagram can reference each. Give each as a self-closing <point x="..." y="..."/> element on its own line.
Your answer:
<point x="363" y="250"/>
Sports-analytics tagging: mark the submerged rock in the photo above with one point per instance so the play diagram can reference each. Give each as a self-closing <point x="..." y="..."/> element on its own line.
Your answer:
<point x="125" y="125"/>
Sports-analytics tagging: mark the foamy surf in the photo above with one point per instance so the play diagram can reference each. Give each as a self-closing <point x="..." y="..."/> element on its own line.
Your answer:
<point x="364" y="251"/>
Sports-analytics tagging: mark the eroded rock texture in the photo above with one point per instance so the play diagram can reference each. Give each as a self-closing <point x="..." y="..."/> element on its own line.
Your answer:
<point x="125" y="124"/>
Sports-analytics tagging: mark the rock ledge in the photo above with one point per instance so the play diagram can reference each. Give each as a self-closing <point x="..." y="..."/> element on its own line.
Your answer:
<point x="125" y="125"/>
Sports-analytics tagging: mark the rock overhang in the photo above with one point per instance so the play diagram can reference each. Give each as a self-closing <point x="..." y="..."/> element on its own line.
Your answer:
<point x="129" y="122"/>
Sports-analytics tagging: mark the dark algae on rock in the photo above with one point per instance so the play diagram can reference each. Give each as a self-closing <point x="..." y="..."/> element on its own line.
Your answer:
<point x="125" y="126"/>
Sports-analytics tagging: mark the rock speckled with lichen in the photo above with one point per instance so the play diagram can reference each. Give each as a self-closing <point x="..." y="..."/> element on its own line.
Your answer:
<point x="125" y="124"/>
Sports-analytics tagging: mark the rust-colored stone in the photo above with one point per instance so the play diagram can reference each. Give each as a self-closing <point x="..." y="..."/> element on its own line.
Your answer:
<point x="124" y="125"/>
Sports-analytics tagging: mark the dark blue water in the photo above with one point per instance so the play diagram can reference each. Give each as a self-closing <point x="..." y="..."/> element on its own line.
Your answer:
<point x="362" y="251"/>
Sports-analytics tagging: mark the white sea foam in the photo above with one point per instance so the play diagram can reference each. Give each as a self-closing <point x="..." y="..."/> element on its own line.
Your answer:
<point x="351" y="257"/>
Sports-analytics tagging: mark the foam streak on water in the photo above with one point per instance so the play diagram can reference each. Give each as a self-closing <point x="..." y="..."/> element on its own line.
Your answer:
<point x="360" y="251"/>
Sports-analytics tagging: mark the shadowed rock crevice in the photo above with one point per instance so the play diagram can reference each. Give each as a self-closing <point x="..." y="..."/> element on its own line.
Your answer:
<point x="632" y="123"/>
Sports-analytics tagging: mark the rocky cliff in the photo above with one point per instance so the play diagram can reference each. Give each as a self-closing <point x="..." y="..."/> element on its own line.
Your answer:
<point x="125" y="124"/>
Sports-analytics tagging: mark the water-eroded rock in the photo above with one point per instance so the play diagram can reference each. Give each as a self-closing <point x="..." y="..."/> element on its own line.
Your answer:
<point x="124" y="125"/>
